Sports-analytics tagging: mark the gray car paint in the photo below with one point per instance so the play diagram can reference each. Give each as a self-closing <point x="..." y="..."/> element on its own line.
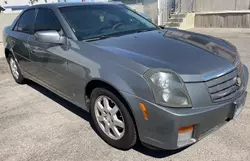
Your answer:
<point x="121" y="62"/>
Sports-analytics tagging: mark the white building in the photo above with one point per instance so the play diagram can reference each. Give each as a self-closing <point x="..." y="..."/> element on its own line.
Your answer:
<point x="24" y="2"/>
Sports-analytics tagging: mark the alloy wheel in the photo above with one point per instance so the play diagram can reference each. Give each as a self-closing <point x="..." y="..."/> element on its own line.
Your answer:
<point x="14" y="68"/>
<point x="109" y="117"/>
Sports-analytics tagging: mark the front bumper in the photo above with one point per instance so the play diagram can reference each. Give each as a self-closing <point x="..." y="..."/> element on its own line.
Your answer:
<point x="161" y="128"/>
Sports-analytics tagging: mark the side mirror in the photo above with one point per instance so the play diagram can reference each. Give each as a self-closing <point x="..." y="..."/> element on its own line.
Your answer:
<point x="50" y="36"/>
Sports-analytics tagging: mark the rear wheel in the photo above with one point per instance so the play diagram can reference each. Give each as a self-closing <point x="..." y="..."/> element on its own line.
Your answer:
<point x="112" y="120"/>
<point x="15" y="70"/>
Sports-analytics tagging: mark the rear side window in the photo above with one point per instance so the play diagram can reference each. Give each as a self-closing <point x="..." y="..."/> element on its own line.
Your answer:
<point x="25" y="22"/>
<point x="46" y="20"/>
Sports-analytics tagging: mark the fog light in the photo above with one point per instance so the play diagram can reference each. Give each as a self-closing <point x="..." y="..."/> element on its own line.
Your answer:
<point x="185" y="135"/>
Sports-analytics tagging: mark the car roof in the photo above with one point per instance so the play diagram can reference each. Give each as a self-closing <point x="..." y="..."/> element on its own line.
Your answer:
<point x="70" y="4"/>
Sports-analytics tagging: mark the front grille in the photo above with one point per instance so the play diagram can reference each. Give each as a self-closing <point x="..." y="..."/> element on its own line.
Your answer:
<point x="225" y="87"/>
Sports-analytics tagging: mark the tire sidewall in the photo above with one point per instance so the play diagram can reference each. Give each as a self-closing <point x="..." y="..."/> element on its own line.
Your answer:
<point x="20" y="76"/>
<point x="129" y="137"/>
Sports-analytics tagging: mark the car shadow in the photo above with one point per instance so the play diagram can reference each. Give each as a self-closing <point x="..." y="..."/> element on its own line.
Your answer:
<point x="64" y="103"/>
<point x="156" y="153"/>
<point x="86" y="116"/>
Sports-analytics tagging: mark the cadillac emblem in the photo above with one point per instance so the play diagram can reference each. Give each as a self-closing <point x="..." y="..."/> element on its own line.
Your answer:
<point x="238" y="81"/>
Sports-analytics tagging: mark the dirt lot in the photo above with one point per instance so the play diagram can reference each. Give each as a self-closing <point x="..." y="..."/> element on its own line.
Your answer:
<point x="35" y="124"/>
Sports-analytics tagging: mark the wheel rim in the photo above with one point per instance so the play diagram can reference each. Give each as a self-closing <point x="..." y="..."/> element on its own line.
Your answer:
<point x="14" y="69"/>
<point x="109" y="117"/>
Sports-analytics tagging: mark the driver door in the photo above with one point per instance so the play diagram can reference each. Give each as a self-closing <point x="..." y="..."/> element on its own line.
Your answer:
<point x="50" y="64"/>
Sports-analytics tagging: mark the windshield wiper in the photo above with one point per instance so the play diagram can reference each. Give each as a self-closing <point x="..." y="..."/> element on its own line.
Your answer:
<point x="143" y="30"/>
<point x="97" y="38"/>
<point x="131" y="32"/>
<point x="118" y="34"/>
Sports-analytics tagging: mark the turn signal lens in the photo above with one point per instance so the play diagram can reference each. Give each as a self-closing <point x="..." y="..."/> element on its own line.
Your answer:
<point x="186" y="129"/>
<point x="185" y="135"/>
<point x="144" y="110"/>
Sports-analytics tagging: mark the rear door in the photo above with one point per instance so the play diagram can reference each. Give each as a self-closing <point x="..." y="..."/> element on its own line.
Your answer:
<point x="49" y="58"/>
<point x="19" y="38"/>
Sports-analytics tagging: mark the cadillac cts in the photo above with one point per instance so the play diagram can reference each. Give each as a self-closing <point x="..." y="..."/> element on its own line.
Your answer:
<point x="164" y="87"/>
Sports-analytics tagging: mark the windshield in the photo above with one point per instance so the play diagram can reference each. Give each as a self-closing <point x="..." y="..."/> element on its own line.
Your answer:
<point x="93" y="21"/>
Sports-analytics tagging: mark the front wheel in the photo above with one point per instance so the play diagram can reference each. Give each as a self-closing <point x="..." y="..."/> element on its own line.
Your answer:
<point x="112" y="120"/>
<point x="15" y="70"/>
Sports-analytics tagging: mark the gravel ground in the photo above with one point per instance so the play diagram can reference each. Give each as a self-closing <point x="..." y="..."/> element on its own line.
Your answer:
<point x="35" y="124"/>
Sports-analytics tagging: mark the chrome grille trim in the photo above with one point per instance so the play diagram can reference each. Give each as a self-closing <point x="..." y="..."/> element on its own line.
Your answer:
<point x="224" y="87"/>
<point x="224" y="93"/>
<point x="221" y="79"/>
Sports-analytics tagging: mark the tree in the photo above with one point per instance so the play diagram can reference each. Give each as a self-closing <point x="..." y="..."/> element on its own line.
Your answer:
<point x="33" y="1"/>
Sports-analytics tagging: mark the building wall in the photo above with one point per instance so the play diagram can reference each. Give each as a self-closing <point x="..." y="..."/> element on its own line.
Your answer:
<point x="22" y="2"/>
<point x="213" y="5"/>
<point x="6" y="19"/>
<point x="230" y="19"/>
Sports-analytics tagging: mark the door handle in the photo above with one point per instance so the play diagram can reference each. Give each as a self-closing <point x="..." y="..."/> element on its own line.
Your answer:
<point x="33" y="50"/>
<point x="13" y="41"/>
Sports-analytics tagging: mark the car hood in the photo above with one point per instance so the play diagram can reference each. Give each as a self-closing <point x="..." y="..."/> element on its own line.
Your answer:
<point x="195" y="57"/>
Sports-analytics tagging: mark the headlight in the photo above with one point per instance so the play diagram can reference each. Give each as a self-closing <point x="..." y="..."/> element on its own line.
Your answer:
<point x="169" y="89"/>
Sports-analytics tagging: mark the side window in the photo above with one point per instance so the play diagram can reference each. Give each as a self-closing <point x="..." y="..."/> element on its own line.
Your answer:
<point x="25" y="22"/>
<point x="46" y="20"/>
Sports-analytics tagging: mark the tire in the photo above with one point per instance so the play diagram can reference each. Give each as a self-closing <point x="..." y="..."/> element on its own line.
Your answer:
<point x="128" y="137"/>
<point x="19" y="78"/>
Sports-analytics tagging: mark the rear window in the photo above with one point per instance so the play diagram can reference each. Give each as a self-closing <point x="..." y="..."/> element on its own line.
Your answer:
<point x="25" y="22"/>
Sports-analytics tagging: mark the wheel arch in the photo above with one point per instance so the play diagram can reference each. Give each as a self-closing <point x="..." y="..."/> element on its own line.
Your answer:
<point x="95" y="83"/>
<point x="7" y="53"/>
<point x="98" y="83"/>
